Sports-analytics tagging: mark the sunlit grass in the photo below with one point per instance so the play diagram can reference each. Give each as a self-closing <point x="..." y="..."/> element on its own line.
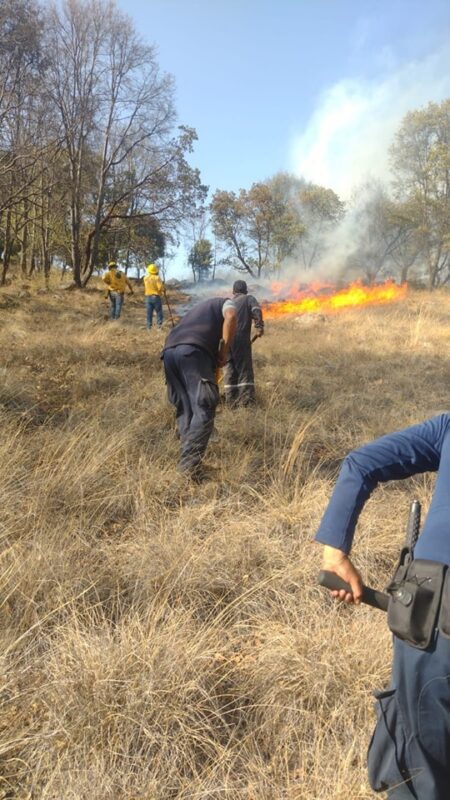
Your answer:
<point x="162" y="639"/>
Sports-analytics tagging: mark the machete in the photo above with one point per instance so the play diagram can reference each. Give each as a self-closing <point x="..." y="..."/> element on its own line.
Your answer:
<point x="370" y="596"/>
<point x="373" y="597"/>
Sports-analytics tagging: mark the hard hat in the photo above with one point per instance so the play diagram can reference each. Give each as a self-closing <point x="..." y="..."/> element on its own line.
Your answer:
<point x="112" y="264"/>
<point x="152" y="269"/>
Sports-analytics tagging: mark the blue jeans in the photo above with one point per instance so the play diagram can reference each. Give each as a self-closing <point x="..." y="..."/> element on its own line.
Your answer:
<point x="154" y="303"/>
<point x="115" y="304"/>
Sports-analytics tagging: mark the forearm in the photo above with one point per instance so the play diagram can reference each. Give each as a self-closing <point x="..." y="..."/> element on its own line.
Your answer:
<point x="229" y="329"/>
<point x="395" y="456"/>
<point x="258" y="318"/>
<point x="228" y="332"/>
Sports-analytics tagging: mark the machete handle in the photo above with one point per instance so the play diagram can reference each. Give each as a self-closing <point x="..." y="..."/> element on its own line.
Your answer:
<point x="413" y="527"/>
<point x="372" y="597"/>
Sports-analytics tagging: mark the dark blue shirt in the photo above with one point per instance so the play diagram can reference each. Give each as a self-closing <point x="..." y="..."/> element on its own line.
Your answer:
<point x="420" y="448"/>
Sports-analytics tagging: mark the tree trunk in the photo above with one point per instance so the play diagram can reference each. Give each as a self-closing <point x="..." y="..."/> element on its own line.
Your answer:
<point x="7" y="248"/>
<point x="75" y="220"/>
<point x="24" y="250"/>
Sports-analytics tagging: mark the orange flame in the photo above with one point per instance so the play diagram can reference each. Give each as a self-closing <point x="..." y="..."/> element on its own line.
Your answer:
<point x="307" y="301"/>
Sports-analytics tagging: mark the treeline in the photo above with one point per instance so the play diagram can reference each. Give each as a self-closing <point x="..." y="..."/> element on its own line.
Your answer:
<point x="93" y="167"/>
<point x="384" y="231"/>
<point x="92" y="164"/>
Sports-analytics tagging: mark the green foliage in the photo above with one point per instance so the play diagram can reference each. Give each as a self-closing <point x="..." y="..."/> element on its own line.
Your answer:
<point x="421" y="163"/>
<point x="282" y="218"/>
<point x="201" y="259"/>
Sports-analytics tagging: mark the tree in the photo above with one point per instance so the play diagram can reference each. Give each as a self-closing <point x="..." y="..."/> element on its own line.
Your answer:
<point x="201" y="259"/>
<point x="282" y="218"/>
<point x="115" y="113"/>
<point x="408" y="246"/>
<point x="258" y="227"/>
<point x="372" y="231"/>
<point x="134" y="242"/>
<point x="24" y="147"/>
<point x="320" y="210"/>
<point x="421" y="163"/>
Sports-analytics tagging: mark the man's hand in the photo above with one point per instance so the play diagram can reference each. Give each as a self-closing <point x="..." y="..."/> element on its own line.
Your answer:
<point x="259" y="332"/>
<point x="337" y="561"/>
<point x="228" y="332"/>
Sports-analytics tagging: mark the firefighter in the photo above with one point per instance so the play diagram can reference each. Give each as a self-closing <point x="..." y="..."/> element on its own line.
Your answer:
<point x="409" y="752"/>
<point x="239" y="381"/>
<point x="154" y="290"/>
<point x="193" y="350"/>
<point x="116" y="281"/>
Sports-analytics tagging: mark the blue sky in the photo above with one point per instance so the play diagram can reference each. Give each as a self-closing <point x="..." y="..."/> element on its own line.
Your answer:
<point x="316" y="87"/>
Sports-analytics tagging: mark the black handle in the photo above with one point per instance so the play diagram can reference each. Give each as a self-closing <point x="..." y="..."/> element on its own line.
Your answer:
<point x="413" y="528"/>
<point x="370" y="596"/>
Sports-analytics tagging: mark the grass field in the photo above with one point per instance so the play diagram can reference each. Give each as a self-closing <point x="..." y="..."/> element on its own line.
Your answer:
<point x="163" y="640"/>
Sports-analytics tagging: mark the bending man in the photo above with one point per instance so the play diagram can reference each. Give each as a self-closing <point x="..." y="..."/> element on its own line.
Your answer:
<point x="409" y="755"/>
<point x="193" y="350"/>
<point x="239" y="380"/>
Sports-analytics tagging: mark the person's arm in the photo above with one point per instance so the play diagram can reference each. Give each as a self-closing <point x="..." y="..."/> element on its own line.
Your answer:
<point x="107" y="280"/>
<point x="255" y="310"/>
<point x="228" y="333"/>
<point x="395" y="456"/>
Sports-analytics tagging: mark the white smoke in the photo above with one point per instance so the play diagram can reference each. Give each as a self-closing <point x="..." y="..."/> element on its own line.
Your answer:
<point x="348" y="137"/>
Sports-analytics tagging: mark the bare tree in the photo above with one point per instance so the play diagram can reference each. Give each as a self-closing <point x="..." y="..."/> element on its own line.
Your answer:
<point x="22" y="134"/>
<point x="116" y="113"/>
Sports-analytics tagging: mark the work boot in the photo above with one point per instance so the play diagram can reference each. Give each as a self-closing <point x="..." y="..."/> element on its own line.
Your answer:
<point x="196" y="473"/>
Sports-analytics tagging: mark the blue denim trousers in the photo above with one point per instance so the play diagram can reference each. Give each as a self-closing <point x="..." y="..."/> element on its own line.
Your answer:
<point x="115" y="304"/>
<point x="154" y="303"/>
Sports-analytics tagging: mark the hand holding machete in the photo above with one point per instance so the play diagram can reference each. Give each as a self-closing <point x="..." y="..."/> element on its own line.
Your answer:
<point x="343" y="579"/>
<point x="347" y="583"/>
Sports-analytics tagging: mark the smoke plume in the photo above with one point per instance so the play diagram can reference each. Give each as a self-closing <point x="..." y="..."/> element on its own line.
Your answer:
<point x="348" y="137"/>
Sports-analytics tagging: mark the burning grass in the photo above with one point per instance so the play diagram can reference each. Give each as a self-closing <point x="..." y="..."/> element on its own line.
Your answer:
<point x="326" y="299"/>
<point x="167" y="641"/>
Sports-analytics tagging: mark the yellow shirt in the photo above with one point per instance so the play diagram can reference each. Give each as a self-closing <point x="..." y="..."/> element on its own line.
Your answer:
<point x="115" y="280"/>
<point x="153" y="285"/>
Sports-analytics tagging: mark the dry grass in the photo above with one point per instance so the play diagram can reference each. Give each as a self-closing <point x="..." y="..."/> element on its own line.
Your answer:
<point x="162" y="640"/>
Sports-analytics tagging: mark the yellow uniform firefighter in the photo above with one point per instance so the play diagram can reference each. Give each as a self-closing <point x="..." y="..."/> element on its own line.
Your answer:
<point x="154" y="291"/>
<point x="117" y="282"/>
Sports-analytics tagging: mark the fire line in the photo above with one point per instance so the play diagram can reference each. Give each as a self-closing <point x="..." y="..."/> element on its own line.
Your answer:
<point x="308" y="301"/>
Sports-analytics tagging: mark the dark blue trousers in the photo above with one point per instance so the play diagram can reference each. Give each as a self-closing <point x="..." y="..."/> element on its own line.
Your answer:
<point x="192" y="389"/>
<point x="238" y="376"/>
<point x="410" y="749"/>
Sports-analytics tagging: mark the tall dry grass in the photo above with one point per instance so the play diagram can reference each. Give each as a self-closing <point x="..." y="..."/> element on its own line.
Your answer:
<point x="165" y="640"/>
